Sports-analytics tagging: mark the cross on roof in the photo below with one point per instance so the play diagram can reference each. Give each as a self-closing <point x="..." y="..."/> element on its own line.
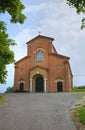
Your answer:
<point x="39" y="32"/>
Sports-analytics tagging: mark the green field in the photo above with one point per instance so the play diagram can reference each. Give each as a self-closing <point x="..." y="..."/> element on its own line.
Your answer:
<point x="79" y="118"/>
<point x="78" y="89"/>
<point x="78" y="115"/>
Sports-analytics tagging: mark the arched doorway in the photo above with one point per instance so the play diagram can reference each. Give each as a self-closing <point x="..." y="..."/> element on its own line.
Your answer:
<point x="39" y="84"/>
<point x="21" y="86"/>
<point x="59" y="86"/>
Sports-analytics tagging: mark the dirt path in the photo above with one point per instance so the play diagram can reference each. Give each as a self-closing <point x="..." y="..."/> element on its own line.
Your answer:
<point x="37" y="111"/>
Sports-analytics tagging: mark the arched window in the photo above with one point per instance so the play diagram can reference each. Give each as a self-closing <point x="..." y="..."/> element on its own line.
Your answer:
<point x="39" y="55"/>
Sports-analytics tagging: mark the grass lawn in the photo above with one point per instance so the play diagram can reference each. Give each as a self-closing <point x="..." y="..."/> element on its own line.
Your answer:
<point x="78" y="89"/>
<point x="2" y="100"/>
<point x="78" y="115"/>
<point x="81" y="114"/>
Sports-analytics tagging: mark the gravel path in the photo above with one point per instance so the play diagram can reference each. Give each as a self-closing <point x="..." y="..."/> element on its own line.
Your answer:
<point x="37" y="111"/>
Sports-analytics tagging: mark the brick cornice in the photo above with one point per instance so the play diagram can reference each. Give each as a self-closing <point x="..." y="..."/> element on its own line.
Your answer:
<point x="39" y="67"/>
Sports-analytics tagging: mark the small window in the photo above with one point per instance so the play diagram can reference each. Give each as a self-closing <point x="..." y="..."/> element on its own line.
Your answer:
<point x="39" y="55"/>
<point x="21" y="86"/>
<point x="58" y="66"/>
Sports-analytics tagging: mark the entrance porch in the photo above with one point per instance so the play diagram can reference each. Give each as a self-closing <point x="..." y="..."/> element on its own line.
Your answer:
<point x="38" y="84"/>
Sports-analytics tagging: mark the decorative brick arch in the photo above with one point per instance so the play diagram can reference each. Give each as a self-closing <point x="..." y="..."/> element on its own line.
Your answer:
<point x="34" y="73"/>
<point x="38" y="70"/>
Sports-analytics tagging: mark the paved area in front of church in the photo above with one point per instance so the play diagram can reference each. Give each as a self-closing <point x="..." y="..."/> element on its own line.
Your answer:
<point x="37" y="111"/>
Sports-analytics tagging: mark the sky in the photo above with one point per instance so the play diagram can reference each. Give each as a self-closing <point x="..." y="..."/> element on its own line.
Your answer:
<point x="53" y="18"/>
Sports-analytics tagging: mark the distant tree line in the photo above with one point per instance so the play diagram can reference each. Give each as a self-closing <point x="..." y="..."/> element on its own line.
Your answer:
<point x="9" y="90"/>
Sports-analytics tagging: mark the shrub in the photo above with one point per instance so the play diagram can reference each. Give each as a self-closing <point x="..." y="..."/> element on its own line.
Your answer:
<point x="79" y="89"/>
<point x="9" y="90"/>
<point x="20" y="91"/>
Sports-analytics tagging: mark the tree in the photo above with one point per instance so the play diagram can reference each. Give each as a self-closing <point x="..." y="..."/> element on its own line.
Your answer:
<point x="9" y="90"/>
<point x="80" y="8"/>
<point x="14" y="8"/>
<point x="6" y="55"/>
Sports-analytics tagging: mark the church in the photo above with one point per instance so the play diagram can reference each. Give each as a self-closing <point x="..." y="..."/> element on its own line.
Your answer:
<point x="43" y="69"/>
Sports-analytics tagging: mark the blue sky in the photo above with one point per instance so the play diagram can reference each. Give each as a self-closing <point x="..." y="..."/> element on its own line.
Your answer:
<point x="54" y="19"/>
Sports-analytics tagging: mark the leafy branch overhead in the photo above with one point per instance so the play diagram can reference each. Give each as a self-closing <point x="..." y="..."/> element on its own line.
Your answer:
<point x="80" y="8"/>
<point x="6" y="55"/>
<point x="14" y="8"/>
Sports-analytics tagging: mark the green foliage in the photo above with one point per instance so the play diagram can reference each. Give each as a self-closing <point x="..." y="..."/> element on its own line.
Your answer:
<point x="80" y="8"/>
<point x="79" y="89"/>
<point x="9" y="90"/>
<point x="83" y="23"/>
<point x="6" y="55"/>
<point x="20" y="91"/>
<point x="78" y="117"/>
<point x="81" y="114"/>
<point x="14" y="8"/>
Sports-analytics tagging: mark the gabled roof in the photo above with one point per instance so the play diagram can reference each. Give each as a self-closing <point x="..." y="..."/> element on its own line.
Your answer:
<point x="21" y="59"/>
<point x="40" y="36"/>
<point x="62" y="56"/>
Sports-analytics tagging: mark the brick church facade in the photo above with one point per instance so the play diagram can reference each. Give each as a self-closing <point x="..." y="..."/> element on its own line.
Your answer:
<point x="43" y="69"/>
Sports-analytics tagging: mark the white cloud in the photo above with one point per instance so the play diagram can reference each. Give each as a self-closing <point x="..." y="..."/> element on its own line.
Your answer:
<point x="34" y="8"/>
<point x="21" y="39"/>
<point x="23" y="36"/>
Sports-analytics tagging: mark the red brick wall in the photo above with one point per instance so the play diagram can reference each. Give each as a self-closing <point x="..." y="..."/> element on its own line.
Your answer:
<point x="53" y="67"/>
